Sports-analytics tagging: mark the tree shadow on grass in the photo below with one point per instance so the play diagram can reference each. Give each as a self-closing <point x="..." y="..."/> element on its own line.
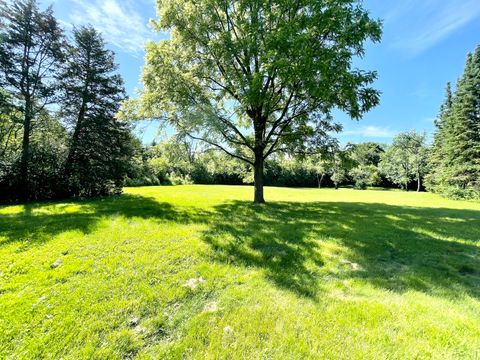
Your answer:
<point x="40" y="222"/>
<point x="392" y="247"/>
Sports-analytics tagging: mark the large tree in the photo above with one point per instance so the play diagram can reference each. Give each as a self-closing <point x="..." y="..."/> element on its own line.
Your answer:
<point x="92" y="90"/>
<point x="455" y="155"/>
<point x="437" y="150"/>
<point x="462" y="129"/>
<point x="31" y="42"/>
<point x="255" y="77"/>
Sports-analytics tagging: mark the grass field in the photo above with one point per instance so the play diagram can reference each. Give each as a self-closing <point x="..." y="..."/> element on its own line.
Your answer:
<point x="199" y="272"/>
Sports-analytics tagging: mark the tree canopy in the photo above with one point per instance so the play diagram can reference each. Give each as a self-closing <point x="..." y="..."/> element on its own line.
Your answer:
<point x="406" y="159"/>
<point x="257" y="77"/>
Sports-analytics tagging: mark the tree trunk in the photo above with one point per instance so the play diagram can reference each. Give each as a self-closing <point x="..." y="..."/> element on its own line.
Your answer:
<point x="419" y="183"/>
<point x="320" y="180"/>
<point x="24" y="162"/>
<point x="72" y="152"/>
<point x="258" y="178"/>
<point x="74" y="143"/>
<point x="406" y="186"/>
<point x="78" y="127"/>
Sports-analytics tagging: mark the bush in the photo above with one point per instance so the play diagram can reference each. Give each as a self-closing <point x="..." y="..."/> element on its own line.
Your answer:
<point x="364" y="176"/>
<point x="179" y="179"/>
<point x="142" y="181"/>
<point x="457" y="193"/>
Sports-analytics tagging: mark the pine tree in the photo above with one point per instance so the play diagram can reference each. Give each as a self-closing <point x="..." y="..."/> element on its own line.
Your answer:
<point x="437" y="154"/>
<point x="462" y="156"/>
<point x="100" y="145"/>
<point x="31" y="43"/>
<point x="455" y="157"/>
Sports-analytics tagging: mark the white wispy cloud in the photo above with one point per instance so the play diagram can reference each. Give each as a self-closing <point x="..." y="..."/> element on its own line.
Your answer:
<point x="371" y="131"/>
<point x="425" y="23"/>
<point x="118" y="20"/>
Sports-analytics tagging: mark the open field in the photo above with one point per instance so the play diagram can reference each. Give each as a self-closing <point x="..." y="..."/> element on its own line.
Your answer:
<point x="199" y="272"/>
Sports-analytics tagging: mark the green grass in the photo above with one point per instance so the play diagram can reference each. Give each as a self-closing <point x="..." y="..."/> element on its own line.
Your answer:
<point x="313" y="274"/>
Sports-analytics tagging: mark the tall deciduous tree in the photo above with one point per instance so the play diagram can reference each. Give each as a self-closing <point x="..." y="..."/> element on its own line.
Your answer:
<point x="254" y="77"/>
<point x="31" y="44"/>
<point x="92" y="92"/>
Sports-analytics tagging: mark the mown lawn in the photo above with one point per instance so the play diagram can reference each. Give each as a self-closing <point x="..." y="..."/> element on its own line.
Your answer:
<point x="199" y="272"/>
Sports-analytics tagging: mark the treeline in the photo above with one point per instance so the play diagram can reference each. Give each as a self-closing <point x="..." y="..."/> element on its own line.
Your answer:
<point x="177" y="161"/>
<point x="58" y="101"/>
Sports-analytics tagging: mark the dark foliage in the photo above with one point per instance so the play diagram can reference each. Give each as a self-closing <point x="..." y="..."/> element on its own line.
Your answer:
<point x="81" y="150"/>
<point x="31" y="43"/>
<point x="455" y="155"/>
<point x="92" y="92"/>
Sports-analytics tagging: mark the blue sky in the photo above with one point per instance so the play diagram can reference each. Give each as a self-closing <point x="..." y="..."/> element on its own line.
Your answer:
<point x="424" y="45"/>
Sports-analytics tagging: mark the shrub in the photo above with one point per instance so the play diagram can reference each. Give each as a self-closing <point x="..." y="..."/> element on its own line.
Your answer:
<point x="457" y="193"/>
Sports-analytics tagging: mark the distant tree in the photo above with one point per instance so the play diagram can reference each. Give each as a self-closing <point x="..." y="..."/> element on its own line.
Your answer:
<point x="319" y="165"/>
<point x="173" y="160"/>
<point x="322" y="162"/>
<point x="253" y="78"/>
<point x="406" y="159"/>
<point x="365" y="158"/>
<point x="100" y="146"/>
<point x="31" y="43"/>
<point x="341" y="165"/>
<point x="367" y="153"/>
<point x="364" y="176"/>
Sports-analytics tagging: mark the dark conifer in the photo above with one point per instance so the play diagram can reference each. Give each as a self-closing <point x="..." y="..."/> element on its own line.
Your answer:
<point x="93" y="91"/>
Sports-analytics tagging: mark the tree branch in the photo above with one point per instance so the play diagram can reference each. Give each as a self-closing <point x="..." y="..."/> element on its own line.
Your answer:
<point x="220" y="147"/>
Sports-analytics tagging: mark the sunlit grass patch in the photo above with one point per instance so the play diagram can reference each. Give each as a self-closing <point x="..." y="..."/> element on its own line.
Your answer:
<point x="199" y="272"/>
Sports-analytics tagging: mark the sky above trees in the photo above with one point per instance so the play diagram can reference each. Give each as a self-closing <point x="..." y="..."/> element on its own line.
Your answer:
<point x="424" y="45"/>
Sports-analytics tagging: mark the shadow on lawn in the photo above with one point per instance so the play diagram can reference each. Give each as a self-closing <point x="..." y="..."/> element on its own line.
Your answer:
<point x="40" y="222"/>
<point x="396" y="248"/>
<point x="392" y="247"/>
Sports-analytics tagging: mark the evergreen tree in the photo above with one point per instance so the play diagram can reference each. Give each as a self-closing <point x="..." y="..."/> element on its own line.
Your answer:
<point x="455" y="155"/>
<point x="462" y="140"/>
<point x="437" y="149"/>
<point x="100" y="146"/>
<point x="31" y="44"/>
